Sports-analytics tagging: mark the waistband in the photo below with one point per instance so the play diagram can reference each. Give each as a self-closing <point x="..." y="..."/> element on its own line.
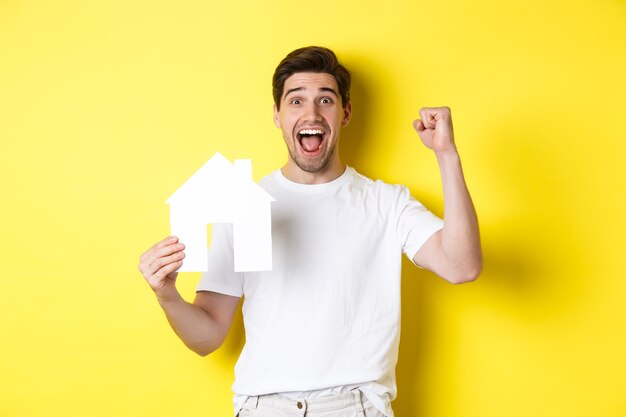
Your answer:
<point x="301" y="406"/>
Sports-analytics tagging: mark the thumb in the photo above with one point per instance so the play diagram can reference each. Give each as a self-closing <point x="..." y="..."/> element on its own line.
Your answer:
<point x="418" y="125"/>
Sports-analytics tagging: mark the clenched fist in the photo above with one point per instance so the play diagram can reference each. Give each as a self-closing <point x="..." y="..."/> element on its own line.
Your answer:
<point x="435" y="129"/>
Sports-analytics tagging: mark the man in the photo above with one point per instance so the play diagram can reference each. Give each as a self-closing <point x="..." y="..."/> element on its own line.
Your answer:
<point x="322" y="328"/>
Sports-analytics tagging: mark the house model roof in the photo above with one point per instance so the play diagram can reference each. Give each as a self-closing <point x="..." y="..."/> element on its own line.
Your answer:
<point x="217" y="179"/>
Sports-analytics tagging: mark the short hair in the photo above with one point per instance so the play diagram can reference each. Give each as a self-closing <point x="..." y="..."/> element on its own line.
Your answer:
<point x="311" y="59"/>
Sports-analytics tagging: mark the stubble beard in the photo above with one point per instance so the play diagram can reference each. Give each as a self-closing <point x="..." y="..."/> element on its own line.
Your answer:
<point x="314" y="165"/>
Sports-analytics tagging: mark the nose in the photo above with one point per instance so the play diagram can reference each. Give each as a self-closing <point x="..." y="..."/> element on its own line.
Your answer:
<point x="312" y="113"/>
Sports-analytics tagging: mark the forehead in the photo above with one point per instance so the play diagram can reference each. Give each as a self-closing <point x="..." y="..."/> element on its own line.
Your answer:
<point x="310" y="81"/>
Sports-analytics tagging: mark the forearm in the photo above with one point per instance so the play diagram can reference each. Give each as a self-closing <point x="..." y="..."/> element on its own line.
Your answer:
<point x="193" y="325"/>
<point x="460" y="238"/>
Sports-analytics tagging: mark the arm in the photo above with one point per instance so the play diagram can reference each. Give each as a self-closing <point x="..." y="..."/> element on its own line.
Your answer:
<point x="454" y="252"/>
<point x="203" y="325"/>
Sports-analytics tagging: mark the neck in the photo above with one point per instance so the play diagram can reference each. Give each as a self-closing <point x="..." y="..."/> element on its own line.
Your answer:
<point x="333" y="170"/>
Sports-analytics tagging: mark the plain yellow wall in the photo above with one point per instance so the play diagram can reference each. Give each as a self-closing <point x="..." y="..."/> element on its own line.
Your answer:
<point x="107" y="107"/>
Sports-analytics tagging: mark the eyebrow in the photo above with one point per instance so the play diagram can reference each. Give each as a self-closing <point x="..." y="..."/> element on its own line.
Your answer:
<point x="326" y="89"/>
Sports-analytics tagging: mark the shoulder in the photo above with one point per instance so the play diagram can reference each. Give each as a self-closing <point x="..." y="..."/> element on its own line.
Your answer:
<point x="380" y="189"/>
<point x="269" y="178"/>
<point x="270" y="181"/>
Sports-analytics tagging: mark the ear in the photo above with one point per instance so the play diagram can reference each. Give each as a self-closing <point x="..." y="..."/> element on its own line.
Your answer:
<point x="276" y="118"/>
<point x="347" y="114"/>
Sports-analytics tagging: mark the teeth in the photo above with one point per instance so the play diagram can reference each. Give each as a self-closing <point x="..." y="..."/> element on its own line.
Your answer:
<point x="311" y="132"/>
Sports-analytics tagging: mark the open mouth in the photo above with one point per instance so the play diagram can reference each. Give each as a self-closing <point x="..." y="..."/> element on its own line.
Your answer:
<point x="311" y="140"/>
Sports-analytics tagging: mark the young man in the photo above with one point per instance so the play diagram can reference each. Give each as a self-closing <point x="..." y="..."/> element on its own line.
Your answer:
<point x="322" y="328"/>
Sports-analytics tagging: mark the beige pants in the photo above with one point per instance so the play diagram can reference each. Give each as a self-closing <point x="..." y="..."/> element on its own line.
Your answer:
<point x="349" y="404"/>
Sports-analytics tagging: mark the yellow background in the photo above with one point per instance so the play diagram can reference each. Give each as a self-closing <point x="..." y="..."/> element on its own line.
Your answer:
<point x="107" y="107"/>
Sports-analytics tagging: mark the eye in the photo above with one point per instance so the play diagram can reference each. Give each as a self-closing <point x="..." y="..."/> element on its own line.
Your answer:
<point x="295" y="101"/>
<point x="326" y="100"/>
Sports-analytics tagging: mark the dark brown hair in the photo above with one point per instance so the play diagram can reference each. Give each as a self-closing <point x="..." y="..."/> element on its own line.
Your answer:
<point x="311" y="59"/>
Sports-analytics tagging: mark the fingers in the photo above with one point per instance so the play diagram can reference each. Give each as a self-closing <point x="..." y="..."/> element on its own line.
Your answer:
<point x="163" y="248"/>
<point x="165" y="242"/>
<point x="162" y="252"/>
<point x="430" y="115"/>
<point x="162" y="259"/>
<point x="162" y="273"/>
<point x="427" y="118"/>
<point x="418" y="125"/>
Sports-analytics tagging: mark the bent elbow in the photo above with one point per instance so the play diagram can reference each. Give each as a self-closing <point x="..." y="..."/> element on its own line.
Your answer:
<point x="469" y="274"/>
<point x="471" y="277"/>
<point x="203" y="351"/>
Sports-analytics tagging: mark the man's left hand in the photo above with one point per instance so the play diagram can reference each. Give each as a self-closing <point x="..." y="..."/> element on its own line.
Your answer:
<point x="435" y="129"/>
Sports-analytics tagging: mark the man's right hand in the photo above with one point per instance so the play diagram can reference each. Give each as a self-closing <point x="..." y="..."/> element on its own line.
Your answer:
<point x="159" y="265"/>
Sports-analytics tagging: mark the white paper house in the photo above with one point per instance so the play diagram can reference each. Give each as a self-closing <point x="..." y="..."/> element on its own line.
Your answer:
<point x="223" y="192"/>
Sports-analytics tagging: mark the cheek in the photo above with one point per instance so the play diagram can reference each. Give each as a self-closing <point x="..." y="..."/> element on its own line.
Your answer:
<point x="289" y="124"/>
<point x="286" y="131"/>
<point x="335" y="118"/>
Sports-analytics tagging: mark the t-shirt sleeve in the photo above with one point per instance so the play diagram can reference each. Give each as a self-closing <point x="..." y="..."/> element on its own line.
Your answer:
<point x="221" y="276"/>
<point x="416" y="224"/>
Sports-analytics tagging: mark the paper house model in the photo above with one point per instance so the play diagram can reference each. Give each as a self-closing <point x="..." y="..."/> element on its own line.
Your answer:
<point x="223" y="192"/>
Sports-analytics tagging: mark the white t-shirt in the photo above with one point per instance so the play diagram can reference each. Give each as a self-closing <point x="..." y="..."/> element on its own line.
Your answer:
<point x="328" y="315"/>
